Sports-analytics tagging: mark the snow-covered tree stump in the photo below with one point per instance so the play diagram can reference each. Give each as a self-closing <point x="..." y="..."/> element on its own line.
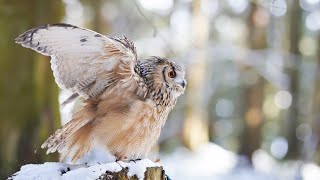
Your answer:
<point x="152" y="173"/>
<point x="144" y="169"/>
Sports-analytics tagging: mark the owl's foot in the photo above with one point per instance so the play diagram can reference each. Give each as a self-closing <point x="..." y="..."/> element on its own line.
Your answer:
<point x="135" y="160"/>
<point x="127" y="160"/>
<point x="167" y="177"/>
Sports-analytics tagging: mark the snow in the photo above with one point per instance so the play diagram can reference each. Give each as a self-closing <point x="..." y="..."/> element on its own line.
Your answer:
<point x="55" y="170"/>
<point x="207" y="160"/>
<point x="211" y="162"/>
<point x="311" y="172"/>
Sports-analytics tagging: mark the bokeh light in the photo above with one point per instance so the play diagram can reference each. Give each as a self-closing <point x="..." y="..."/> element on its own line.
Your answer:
<point x="269" y="108"/>
<point x="308" y="46"/>
<point x="158" y="6"/>
<point x="303" y="132"/>
<point x="312" y="21"/>
<point x="224" y="108"/>
<point x="210" y="7"/>
<point x="238" y="6"/>
<point x="279" y="147"/>
<point x="75" y="12"/>
<point x="229" y="29"/>
<point x="283" y="99"/>
<point x="309" y="5"/>
<point x="180" y="24"/>
<point x="277" y="7"/>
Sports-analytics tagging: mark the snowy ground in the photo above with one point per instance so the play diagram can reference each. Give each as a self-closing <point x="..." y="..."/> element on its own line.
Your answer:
<point x="211" y="162"/>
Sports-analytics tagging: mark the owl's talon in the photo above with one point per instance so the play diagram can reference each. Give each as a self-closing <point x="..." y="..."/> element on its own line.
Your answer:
<point x="167" y="177"/>
<point x="135" y="160"/>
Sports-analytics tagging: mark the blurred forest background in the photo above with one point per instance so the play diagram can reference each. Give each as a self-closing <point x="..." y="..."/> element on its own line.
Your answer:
<point x="253" y="72"/>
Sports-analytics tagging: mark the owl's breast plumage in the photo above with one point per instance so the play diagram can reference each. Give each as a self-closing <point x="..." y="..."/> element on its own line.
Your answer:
<point x="127" y="126"/>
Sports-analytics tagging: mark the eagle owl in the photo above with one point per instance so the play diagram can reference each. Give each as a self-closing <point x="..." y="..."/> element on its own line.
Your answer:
<point x="127" y="99"/>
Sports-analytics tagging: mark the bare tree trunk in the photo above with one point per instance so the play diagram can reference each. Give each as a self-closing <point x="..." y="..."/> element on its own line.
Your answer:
<point x="253" y="92"/>
<point x="29" y="95"/>
<point x="315" y="138"/>
<point x="97" y="23"/>
<point x="195" y="130"/>
<point x="293" y="72"/>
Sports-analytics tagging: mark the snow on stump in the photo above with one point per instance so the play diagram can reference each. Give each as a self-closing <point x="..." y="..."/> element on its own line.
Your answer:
<point x="152" y="173"/>
<point x="139" y="170"/>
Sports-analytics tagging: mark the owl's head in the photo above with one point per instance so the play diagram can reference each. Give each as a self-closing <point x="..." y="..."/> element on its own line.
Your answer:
<point x="165" y="74"/>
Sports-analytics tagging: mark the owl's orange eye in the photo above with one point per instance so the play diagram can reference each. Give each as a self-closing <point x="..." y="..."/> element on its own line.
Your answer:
<point x="172" y="74"/>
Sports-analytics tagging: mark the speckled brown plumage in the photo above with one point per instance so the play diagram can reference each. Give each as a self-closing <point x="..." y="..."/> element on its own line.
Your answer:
<point x="127" y="99"/>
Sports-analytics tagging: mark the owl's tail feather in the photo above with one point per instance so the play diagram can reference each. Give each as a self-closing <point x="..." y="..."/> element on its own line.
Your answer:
<point x="78" y="145"/>
<point x="71" y="140"/>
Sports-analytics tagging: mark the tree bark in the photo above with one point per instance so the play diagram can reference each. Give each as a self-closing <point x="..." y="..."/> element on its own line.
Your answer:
<point x="315" y="138"/>
<point x="195" y="128"/>
<point x="28" y="94"/>
<point x="253" y="92"/>
<point x="152" y="173"/>
<point x="295" y="33"/>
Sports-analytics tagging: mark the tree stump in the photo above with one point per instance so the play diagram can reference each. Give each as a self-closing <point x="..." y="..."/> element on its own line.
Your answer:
<point x="141" y="170"/>
<point x="152" y="173"/>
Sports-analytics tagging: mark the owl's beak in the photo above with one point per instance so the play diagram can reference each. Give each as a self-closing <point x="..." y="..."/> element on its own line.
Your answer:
<point x="181" y="82"/>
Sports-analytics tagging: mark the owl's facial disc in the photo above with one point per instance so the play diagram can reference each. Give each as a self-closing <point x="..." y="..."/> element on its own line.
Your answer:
<point x="174" y="78"/>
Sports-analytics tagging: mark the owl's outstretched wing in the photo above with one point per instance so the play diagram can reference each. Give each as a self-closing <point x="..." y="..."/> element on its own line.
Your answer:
<point x="84" y="61"/>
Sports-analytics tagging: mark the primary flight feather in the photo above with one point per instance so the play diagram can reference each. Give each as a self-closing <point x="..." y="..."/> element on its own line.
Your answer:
<point x="127" y="99"/>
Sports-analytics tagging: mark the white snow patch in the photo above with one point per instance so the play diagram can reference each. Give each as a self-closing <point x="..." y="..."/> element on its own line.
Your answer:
<point x="311" y="172"/>
<point x="207" y="161"/>
<point x="92" y="172"/>
<point x="55" y="170"/>
<point x="211" y="162"/>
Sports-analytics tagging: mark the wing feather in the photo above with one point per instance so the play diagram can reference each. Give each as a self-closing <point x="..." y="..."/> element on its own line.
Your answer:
<point x="83" y="61"/>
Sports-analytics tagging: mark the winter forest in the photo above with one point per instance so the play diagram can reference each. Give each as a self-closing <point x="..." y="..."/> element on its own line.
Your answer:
<point x="251" y="109"/>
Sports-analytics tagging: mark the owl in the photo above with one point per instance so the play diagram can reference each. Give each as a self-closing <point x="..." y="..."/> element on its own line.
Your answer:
<point x="126" y="99"/>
